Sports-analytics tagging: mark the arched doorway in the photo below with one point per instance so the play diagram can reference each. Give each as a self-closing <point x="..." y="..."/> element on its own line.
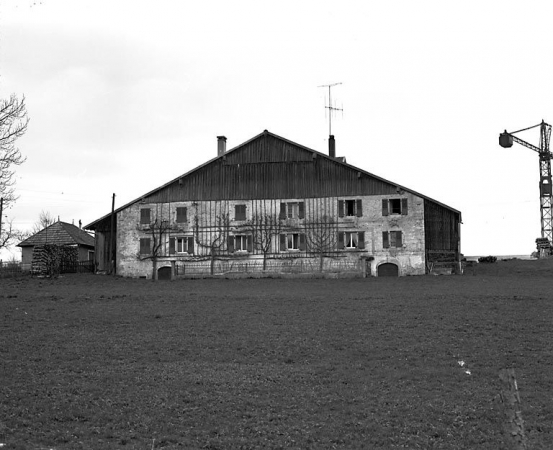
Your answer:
<point x="388" y="270"/>
<point x="164" y="273"/>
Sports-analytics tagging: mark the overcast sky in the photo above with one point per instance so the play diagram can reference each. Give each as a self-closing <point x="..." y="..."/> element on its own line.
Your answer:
<point x="124" y="96"/>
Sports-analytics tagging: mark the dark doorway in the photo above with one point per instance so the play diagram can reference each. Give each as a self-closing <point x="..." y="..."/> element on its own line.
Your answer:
<point x="164" y="273"/>
<point x="388" y="270"/>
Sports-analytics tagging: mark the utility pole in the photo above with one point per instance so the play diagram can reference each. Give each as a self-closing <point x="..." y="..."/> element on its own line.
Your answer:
<point x="112" y="238"/>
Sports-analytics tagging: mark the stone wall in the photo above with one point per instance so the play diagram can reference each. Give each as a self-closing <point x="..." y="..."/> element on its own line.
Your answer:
<point x="210" y="224"/>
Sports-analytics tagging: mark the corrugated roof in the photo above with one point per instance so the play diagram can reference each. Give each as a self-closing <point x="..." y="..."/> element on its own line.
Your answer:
<point x="59" y="233"/>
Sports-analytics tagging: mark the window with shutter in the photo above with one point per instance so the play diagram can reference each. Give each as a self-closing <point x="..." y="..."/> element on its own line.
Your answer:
<point x="350" y="207"/>
<point x="404" y="206"/>
<point x="385" y="210"/>
<point x="359" y="207"/>
<point x="282" y="214"/>
<point x="361" y="240"/>
<point x="145" y="216"/>
<point x="171" y="246"/>
<point x="242" y="243"/>
<point x="282" y="242"/>
<point x="293" y="210"/>
<point x="398" y="239"/>
<point x="240" y="212"/>
<point x="145" y="246"/>
<point x="302" y="242"/>
<point x="395" y="206"/>
<point x="340" y="240"/>
<point x="351" y="239"/>
<point x="385" y="240"/>
<point x="181" y="215"/>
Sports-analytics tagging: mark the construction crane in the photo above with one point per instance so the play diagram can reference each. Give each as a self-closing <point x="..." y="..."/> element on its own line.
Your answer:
<point x="506" y="140"/>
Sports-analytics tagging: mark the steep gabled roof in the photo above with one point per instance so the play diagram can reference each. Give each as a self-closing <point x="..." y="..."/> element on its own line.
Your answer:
<point x="290" y="152"/>
<point x="59" y="233"/>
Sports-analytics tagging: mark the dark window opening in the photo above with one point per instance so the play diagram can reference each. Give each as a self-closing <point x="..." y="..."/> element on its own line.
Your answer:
<point x="395" y="206"/>
<point x="350" y="207"/>
<point x="145" y="216"/>
<point x="145" y="246"/>
<point x="181" y="215"/>
<point x="240" y="212"/>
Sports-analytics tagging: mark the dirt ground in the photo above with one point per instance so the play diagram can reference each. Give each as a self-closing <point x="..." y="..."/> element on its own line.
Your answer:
<point x="90" y="361"/>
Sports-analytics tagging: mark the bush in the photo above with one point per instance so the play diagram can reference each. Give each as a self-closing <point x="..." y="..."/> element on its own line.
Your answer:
<point x="487" y="259"/>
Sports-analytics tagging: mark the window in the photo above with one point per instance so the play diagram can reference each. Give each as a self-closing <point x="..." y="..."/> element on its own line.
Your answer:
<point x="350" y="208"/>
<point x="292" y="242"/>
<point x="181" y="215"/>
<point x="240" y="243"/>
<point x="145" y="246"/>
<point x="292" y="210"/>
<point x="392" y="239"/>
<point x="351" y="240"/>
<point x="145" y="216"/>
<point x="240" y="212"/>
<point x="394" y="206"/>
<point x="183" y="244"/>
<point x="91" y="255"/>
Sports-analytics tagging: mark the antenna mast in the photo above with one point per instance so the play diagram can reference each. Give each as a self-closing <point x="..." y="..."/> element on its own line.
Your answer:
<point x="330" y="107"/>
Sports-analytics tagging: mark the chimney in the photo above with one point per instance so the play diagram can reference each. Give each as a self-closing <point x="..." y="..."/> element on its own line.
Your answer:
<point x="221" y="145"/>
<point x="331" y="146"/>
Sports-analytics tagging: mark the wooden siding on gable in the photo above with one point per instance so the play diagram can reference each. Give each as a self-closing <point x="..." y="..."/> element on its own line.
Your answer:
<point x="441" y="227"/>
<point x="270" y="168"/>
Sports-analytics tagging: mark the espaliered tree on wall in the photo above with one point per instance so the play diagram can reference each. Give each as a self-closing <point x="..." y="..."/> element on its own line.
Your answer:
<point x="321" y="235"/>
<point x="154" y="245"/>
<point x="264" y="229"/>
<point x="158" y="230"/>
<point x="212" y="238"/>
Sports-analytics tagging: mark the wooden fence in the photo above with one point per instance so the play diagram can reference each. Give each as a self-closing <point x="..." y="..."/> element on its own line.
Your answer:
<point x="17" y="268"/>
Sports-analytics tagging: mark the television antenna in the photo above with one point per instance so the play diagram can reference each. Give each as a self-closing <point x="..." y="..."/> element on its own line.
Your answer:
<point x="330" y="108"/>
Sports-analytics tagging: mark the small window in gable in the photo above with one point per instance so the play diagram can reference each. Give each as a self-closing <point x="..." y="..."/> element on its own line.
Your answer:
<point x="182" y="215"/>
<point x="240" y="212"/>
<point x="145" y="216"/>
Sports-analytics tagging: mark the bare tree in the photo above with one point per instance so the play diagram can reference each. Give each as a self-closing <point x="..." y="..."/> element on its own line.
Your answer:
<point x="264" y="229"/>
<point x="9" y="235"/>
<point x="45" y="219"/>
<point x="213" y="237"/>
<point x="13" y="125"/>
<point x="321" y="237"/>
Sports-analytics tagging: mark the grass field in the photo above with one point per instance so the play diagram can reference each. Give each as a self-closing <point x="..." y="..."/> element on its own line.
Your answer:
<point x="94" y="362"/>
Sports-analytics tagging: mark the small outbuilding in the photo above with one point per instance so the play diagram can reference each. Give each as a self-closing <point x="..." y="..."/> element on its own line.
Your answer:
<point x="61" y="234"/>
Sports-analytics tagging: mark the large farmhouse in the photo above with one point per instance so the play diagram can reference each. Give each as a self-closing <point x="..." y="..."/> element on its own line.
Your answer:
<point x="271" y="203"/>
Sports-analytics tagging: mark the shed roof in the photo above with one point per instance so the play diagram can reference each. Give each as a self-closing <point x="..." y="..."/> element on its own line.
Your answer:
<point x="59" y="233"/>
